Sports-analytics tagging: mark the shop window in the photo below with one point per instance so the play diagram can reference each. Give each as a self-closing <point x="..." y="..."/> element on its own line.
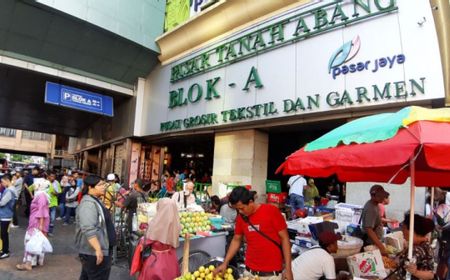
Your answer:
<point x="7" y="132"/>
<point x="31" y="135"/>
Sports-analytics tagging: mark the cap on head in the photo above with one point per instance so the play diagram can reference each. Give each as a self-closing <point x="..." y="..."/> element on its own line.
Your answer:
<point x="378" y="190"/>
<point x="327" y="238"/>
<point x="110" y="177"/>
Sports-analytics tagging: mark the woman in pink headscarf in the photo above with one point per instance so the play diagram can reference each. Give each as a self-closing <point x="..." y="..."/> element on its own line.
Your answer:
<point x="39" y="219"/>
<point x="163" y="237"/>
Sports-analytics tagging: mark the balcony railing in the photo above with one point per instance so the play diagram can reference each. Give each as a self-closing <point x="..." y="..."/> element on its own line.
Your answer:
<point x="7" y="132"/>
<point x="31" y="135"/>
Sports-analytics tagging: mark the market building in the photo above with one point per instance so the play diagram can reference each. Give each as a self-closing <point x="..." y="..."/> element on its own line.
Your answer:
<point x="265" y="78"/>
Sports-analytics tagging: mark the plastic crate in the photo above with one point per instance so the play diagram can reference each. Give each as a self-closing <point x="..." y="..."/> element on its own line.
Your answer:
<point x="276" y="197"/>
<point x="273" y="186"/>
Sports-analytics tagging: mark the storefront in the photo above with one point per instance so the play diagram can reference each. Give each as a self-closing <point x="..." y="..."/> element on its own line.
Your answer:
<point x="267" y="89"/>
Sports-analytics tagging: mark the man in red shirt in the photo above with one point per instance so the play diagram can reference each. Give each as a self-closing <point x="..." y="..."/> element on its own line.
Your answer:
<point x="265" y="230"/>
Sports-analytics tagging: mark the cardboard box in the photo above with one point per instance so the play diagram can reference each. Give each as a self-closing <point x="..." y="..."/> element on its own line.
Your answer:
<point x="348" y="213"/>
<point x="367" y="264"/>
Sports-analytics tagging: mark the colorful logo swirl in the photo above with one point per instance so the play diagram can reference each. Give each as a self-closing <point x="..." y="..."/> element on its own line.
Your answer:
<point x="346" y="52"/>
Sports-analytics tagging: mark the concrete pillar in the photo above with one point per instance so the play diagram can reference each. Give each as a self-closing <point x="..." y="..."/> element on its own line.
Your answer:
<point x="240" y="157"/>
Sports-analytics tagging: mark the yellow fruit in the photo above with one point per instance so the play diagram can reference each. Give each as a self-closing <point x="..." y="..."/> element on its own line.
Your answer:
<point x="211" y="268"/>
<point x="229" y="270"/>
<point x="201" y="269"/>
<point x="202" y="275"/>
<point x="197" y="274"/>
<point x="209" y="276"/>
<point x="207" y="271"/>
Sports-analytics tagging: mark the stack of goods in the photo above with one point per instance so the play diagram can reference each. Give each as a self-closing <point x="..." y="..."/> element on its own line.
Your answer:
<point x="347" y="214"/>
<point x="194" y="222"/>
<point x="304" y="236"/>
<point x="207" y="273"/>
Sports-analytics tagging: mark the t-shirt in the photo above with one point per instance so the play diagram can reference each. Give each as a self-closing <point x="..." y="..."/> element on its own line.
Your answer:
<point x="229" y="214"/>
<point x="382" y="210"/>
<point x="296" y="183"/>
<point x="371" y="218"/>
<point x="313" y="264"/>
<point x="108" y="223"/>
<point x="131" y="202"/>
<point x="18" y="185"/>
<point x="262" y="254"/>
<point x="54" y="190"/>
<point x="179" y="197"/>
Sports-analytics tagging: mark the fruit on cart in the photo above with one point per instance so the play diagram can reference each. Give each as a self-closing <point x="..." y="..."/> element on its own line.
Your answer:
<point x="206" y="273"/>
<point x="193" y="222"/>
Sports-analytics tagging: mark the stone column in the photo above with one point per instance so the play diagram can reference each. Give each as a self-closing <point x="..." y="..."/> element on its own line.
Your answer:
<point x="240" y="157"/>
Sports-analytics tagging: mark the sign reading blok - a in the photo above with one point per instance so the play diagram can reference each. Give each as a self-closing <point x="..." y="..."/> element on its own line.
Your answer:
<point x="78" y="99"/>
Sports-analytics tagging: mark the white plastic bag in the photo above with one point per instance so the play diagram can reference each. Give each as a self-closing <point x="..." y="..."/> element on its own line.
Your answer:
<point x="38" y="244"/>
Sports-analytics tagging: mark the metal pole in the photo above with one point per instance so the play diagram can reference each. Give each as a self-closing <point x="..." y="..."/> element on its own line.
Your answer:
<point x="432" y="201"/>
<point x="412" y="203"/>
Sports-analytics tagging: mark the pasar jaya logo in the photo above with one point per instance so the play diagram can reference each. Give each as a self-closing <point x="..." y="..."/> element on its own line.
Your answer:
<point x="344" y="53"/>
<point x="338" y="62"/>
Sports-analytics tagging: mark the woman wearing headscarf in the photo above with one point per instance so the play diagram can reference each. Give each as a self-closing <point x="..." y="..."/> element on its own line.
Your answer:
<point x="162" y="237"/>
<point x="95" y="234"/>
<point x="310" y="193"/>
<point x="39" y="219"/>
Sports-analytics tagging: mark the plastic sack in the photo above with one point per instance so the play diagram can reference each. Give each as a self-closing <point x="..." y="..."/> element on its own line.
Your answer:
<point x="38" y="244"/>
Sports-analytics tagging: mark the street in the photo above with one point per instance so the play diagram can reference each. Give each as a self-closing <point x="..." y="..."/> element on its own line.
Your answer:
<point x="62" y="264"/>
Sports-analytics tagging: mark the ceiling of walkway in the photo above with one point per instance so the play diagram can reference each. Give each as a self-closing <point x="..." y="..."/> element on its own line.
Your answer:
<point x="38" y="33"/>
<point x="22" y="94"/>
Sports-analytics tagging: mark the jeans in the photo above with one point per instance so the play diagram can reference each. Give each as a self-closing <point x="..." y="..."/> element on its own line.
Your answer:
<point x="52" y="219"/>
<point x="297" y="202"/>
<point x="62" y="210"/>
<point x="91" y="271"/>
<point x="68" y="211"/>
<point x="4" y="225"/>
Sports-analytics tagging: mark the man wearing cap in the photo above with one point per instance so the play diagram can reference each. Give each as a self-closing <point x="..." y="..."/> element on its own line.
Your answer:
<point x="371" y="223"/>
<point x="111" y="191"/>
<point x="317" y="261"/>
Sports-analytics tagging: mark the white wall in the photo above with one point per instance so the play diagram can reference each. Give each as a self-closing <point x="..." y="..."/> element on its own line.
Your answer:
<point x="358" y="193"/>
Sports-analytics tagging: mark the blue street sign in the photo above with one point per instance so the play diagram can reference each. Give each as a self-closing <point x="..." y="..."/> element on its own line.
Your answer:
<point x="79" y="99"/>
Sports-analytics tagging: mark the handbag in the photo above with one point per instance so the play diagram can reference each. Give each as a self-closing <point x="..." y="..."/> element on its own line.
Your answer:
<point x="38" y="244"/>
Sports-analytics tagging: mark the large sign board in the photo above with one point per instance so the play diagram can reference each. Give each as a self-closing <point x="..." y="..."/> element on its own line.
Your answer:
<point x="78" y="99"/>
<point x="339" y="55"/>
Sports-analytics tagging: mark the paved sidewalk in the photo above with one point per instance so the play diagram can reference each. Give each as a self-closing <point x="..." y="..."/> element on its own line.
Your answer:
<point x="63" y="264"/>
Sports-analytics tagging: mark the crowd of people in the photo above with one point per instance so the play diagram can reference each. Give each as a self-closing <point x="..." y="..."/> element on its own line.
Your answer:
<point x="305" y="197"/>
<point x="90" y="200"/>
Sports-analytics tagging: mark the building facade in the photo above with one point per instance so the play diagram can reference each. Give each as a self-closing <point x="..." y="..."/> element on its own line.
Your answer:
<point x="242" y="84"/>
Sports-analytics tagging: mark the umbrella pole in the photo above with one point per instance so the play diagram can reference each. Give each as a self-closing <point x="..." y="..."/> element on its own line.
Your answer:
<point x="412" y="203"/>
<point x="432" y="200"/>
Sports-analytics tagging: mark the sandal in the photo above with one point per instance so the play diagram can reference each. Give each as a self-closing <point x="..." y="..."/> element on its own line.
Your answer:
<point x="24" y="266"/>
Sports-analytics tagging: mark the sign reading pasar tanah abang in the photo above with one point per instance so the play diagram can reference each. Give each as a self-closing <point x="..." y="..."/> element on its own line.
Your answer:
<point x="322" y="57"/>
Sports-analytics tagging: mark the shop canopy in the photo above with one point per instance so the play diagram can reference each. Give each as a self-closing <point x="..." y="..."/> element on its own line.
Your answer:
<point x="378" y="148"/>
<point x="413" y="142"/>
